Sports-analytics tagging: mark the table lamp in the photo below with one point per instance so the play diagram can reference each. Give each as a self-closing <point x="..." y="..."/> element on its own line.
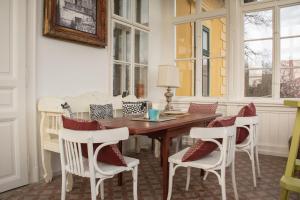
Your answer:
<point x="168" y="76"/>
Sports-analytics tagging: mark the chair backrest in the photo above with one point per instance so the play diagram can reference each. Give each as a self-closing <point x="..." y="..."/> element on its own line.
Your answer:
<point x="250" y="124"/>
<point x="71" y="150"/>
<point x="226" y="145"/>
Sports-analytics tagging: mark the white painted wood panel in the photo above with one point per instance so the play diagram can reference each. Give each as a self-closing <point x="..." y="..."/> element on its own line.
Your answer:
<point x="13" y="140"/>
<point x="6" y="98"/>
<point x="4" y="36"/>
<point x="7" y="152"/>
<point x="275" y="127"/>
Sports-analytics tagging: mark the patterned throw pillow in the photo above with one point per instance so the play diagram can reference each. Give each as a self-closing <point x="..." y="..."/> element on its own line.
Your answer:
<point x="246" y="111"/>
<point x="101" y="111"/>
<point x="134" y="108"/>
<point x="108" y="154"/>
<point x="67" y="110"/>
<point x="203" y="108"/>
<point x="202" y="148"/>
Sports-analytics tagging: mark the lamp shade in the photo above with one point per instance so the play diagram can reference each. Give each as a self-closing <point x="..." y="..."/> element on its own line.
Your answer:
<point x="168" y="76"/>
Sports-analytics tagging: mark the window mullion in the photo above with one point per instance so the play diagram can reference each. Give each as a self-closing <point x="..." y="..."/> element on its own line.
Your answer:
<point x="276" y="54"/>
<point x="198" y="91"/>
<point x="132" y="43"/>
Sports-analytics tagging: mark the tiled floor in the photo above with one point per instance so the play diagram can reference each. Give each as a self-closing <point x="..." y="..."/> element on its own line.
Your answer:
<point x="149" y="185"/>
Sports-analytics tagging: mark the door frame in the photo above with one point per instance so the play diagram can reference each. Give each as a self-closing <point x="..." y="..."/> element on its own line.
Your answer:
<point x="31" y="97"/>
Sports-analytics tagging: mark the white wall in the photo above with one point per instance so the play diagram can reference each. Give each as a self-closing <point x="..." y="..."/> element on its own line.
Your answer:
<point x="66" y="68"/>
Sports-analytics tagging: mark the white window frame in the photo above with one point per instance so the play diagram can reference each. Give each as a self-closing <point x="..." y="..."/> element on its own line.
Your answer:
<point x="197" y="18"/>
<point x="275" y="6"/>
<point x="133" y="25"/>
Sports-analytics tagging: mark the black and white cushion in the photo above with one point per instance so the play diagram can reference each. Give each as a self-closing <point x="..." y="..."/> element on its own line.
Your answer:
<point x="101" y="111"/>
<point x="134" y="108"/>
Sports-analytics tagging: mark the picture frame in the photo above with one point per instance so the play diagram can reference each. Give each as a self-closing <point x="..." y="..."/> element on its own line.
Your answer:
<point x="82" y="21"/>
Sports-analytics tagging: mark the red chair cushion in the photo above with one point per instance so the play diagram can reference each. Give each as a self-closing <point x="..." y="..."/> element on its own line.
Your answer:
<point x="108" y="154"/>
<point x="202" y="148"/>
<point x="203" y="108"/>
<point x="246" y="111"/>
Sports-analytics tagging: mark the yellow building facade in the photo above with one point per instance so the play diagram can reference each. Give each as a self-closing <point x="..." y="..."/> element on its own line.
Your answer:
<point x="186" y="51"/>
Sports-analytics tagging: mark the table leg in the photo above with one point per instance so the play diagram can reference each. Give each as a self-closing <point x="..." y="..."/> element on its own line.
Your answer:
<point x="120" y="175"/>
<point x="165" y="164"/>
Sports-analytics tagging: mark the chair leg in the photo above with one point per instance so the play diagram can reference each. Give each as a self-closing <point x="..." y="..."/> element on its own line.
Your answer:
<point x="284" y="194"/>
<point x="93" y="188"/>
<point x="205" y="175"/>
<point x="63" y="185"/>
<point x="257" y="162"/>
<point x="157" y="149"/>
<point x="137" y="145"/>
<point x="178" y="139"/>
<point x="234" y="180"/>
<point x="135" y="179"/>
<point x="253" y="166"/>
<point x="102" y="190"/>
<point x="223" y="183"/>
<point x="188" y="178"/>
<point x="171" y="174"/>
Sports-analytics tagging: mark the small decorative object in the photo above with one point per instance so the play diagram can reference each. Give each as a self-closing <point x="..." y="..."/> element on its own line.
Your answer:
<point x="153" y="114"/>
<point x="67" y="109"/>
<point x="168" y="76"/>
<point x="81" y="21"/>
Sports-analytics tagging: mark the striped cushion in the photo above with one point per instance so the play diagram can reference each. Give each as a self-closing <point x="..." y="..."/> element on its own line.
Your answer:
<point x="203" y="108"/>
<point x="202" y="148"/>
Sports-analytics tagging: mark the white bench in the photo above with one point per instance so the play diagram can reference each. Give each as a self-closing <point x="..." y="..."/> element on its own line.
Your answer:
<point x="50" y="110"/>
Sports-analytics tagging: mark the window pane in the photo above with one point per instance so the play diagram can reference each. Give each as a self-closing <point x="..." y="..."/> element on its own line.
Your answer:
<point x="290" y="49"/>
<point x="216" y="33"/>
<point x="142" y="12"/>
<point x="121" y="79"/>
<point x="209" y="5"/>
<point x="258" y="83"/>
<point x="258" y="25"/>
<point x="187" y="77"/>
<point x="184" y="40"/>
<point x="290" y="21"/>
<point x="205" y="78"/>
<point x="122" y="8"/>
<point x="140" y="81"/>
<point x="141" y="47"/>
<point x="185" y="7"/>
<point x="122" y="42"/>
<point x="214" y="79"/>
<point x="258" y="54"/>
<point x="290" y="81"/>
<point x="290" y="68"/>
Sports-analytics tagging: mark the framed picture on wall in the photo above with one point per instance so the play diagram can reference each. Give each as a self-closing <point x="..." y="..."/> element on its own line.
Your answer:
<point x="81" y="21"/>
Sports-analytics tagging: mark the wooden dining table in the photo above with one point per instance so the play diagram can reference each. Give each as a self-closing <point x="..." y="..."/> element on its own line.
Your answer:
<point x="163" y="132"/>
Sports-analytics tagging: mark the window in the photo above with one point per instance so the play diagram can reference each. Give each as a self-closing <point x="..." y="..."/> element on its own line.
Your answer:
<point x="258" y="35"/>
<point x="130" y="20"/>
<point x="290" y="52"/>
<point x="271" y="52"/>
<point x="201" y="49"/>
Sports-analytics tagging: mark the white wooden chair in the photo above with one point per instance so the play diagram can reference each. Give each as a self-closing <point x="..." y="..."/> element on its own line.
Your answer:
<point x="250" y="145"/>
<point x="73" y="162"/>
<point x="215" y="161"/>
